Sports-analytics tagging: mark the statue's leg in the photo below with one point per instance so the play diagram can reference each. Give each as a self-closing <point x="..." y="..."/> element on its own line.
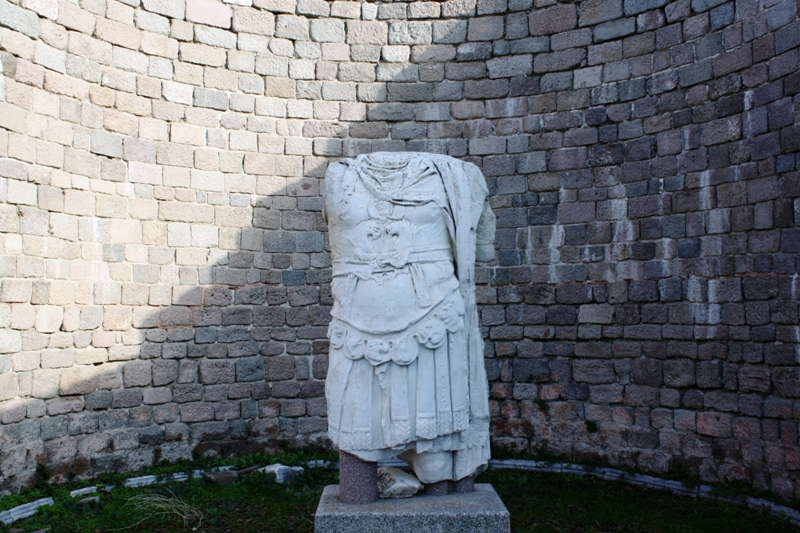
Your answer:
<point x="358" y="479"/>
<point x="463" y="485"/>
<point x="440" y="488"/>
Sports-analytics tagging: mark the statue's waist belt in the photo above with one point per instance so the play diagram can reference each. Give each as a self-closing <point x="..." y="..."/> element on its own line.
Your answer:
<point x="365" y="266"/>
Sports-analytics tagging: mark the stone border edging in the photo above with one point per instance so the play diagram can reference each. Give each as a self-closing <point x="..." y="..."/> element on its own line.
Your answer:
<point x="704" y="492"/>
<point x="23" y="511"/>
<point x="29" y="509"/>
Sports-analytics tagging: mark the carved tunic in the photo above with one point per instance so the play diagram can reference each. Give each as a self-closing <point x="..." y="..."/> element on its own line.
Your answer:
<point x="399" y="374"/>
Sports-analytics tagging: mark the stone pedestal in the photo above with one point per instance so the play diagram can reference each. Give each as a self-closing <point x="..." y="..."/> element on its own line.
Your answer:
<point x="480" y="511"/>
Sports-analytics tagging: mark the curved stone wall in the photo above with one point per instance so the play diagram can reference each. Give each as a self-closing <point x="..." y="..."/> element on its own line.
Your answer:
<point x="163" y="257"/>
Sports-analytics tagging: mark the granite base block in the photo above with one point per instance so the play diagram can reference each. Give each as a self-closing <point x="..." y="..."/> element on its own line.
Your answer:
<point x="480" y="511"/>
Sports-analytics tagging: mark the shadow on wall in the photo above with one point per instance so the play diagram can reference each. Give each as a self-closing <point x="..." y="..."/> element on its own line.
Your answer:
<point x="217" y="347"/>
<point x="221" y="353"/>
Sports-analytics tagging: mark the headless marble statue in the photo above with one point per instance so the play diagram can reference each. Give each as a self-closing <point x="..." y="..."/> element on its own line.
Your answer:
<point x="406" y="376"/>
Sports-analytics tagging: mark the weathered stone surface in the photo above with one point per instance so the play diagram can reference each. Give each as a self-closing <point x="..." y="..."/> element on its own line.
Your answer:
<point x="394" y="483"/>
<point x="481" y="509"/>
<point x="553" y="19"/>
<point x="283" y="473"/>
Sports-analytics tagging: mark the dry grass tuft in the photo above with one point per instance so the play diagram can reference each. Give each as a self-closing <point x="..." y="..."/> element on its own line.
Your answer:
<point x="158" y="507"/>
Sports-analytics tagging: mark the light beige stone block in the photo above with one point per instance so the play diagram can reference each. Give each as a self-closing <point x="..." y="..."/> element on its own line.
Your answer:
<point x="75" y="18"/>
<point x="117" y="317"/>
<point x="126" y="231"/>
<point x="91" y="356"/>
<point x="202" y="55"/>
<point x="118" y="33"/>
<point x="25" y="361"/>
<point x="49" y="318"/>
<point x="50" y="57"/>
<point x="171" y="8"/>
<point x="256" y="21"/>
<point x="8" y="386"/>
<point x="23" y="316"/>
<point x="57" y="358"/>
<point x="29" y="73"/>
<point x="79" y="202"/>
<point x="72" y="318"/>
<point x="367" y="32"/>
<point x="291" y="27"/>
<point x="78" y="380"/>
<point x="188" y="134"/>
<point x="22" y="193"/>
<point x="61" y="292"/>
<point x="51" y="198"/>
<point x="45" y="383"/>
<point x="209" y="12"/>
<point x="15" y="290"/>
<point x="159" y="45"/>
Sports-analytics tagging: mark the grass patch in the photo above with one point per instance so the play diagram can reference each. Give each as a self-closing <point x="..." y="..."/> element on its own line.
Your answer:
<point x="256" y="503"/>
<point x="562" y="503"/>
<point x="538" y="502"/>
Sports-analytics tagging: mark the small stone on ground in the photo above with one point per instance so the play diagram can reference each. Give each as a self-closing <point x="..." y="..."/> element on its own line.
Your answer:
<point x="249" y="469"/>
<point x="283" y="473"/>
<point x="394" y="483"/>
<point x="222" y="478"/>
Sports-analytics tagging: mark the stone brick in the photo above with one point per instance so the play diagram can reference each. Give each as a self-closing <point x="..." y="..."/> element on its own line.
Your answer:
<point x="573" y="213"/>
<point x="253" y="21"/>
<point x="367" y="32"/>
<point x="787" y="381"/>
<point x="596" y="11"/>
<point x="279" y="368"/>
<point x="714" y="424"/>
<point x="647" y="371"/>
<point x="531" y="370"/>
<point x="107" y="144"/>
<point x="78" y="380"/>
<point x="449" y="31"/>
<point x="485" y="28"/>
<point x="561" y="60"/>
<point x="787" y="37"/>
<point x="208" y="12"/>
<point x="506" y="67"/>
<point x="554" y="19"/>
<point x="593" y="371"/>
<point x="19" y="19"/>
<point x="614" y="29"/>
<point x="410" y="33"/>
<point x="210" y="98"/>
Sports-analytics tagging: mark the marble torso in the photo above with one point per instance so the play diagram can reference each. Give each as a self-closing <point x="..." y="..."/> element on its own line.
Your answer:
<point x="393" y="274"/>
